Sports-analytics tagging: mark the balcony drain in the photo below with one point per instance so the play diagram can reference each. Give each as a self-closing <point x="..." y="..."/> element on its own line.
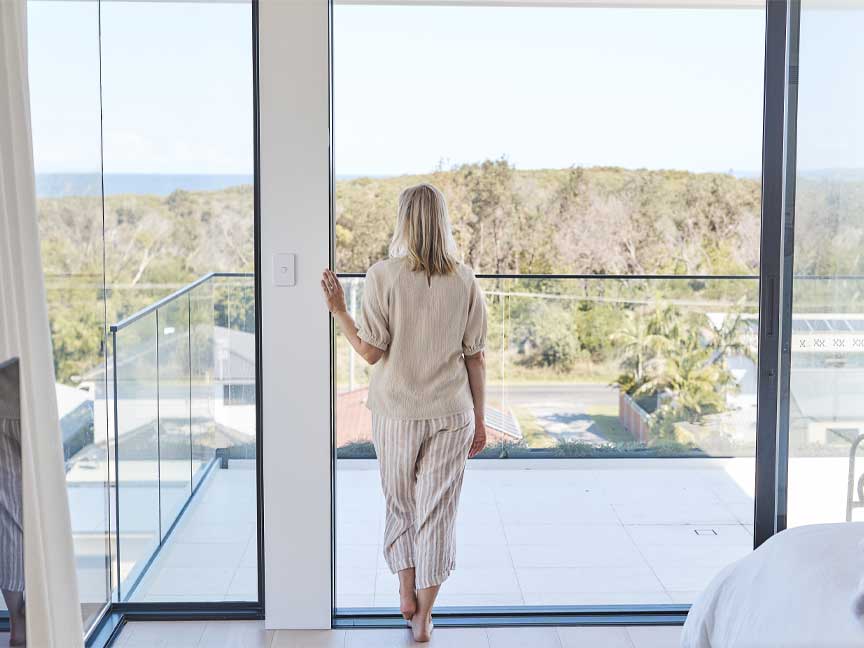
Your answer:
<point x="705" y="532"/>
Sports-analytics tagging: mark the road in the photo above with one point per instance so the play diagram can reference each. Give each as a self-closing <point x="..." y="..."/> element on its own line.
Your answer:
<point x="561" y="409"/>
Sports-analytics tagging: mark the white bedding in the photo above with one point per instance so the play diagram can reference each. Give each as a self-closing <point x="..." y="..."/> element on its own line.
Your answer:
<point x="795" y="591"/>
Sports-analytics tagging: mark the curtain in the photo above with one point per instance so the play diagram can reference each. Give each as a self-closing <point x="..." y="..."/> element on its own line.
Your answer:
<point x="53" y="609"/>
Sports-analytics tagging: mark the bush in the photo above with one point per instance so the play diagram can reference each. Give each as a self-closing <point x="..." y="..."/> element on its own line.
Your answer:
<point x="595" y="325"/>
<point x="356" y="450"/>
<point x="547" y="337"/>
<point x="566" y="448"/>
<point x="656" y="448"/>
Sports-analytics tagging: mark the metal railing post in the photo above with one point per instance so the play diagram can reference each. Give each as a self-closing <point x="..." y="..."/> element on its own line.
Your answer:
<point x="116" y="458"/>
<point x="189" y="352"/>
<point x="158" y="434"/>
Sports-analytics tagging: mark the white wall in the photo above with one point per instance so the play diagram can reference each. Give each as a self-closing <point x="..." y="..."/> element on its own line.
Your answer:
<point x="294" y="181"/>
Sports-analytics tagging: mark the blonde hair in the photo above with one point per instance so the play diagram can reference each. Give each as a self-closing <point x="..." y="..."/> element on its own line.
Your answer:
<point x="423" y="233"/>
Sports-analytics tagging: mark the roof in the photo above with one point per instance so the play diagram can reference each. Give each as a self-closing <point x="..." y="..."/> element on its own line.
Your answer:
<point x="70" y="399"/>
<point x="354" y="422"/>
<point x="828" y="394"/>
<point x="235" y="355"/>
<point x="234" y="360"/>
<point x="503" y="422"/>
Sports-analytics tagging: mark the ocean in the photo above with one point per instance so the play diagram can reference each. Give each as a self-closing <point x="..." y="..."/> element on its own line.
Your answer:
<point x="58" y="185"/>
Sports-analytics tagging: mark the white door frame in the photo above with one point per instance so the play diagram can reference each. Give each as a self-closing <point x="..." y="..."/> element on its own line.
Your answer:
<point x="294" y="110"/>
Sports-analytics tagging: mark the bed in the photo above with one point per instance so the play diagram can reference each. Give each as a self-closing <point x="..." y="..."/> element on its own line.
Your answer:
<point x="795" y="591"/>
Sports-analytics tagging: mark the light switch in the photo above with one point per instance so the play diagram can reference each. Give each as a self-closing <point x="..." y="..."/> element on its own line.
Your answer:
<point x="283" y="269"/>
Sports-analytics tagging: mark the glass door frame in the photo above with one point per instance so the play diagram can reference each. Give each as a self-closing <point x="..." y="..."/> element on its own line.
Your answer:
<point x="775" y="267"/>
<point x="776" y="258"/>
<point x="114" y="616"/>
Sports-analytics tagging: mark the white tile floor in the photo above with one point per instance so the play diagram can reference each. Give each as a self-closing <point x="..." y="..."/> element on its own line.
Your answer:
<point x="212" y="553"/>
<point x="562" y="532"/>
<point x="529" y="532"/>
<point x="251" y="634"/>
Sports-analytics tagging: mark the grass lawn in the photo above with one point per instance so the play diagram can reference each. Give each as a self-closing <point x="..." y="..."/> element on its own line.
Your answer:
<point x="585" y="373"/>
<point x="532" y="433"/>
<point x="610" y="428"/>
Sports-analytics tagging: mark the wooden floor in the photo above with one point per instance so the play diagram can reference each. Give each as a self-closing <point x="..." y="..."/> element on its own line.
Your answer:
<point x="251" y="634"/>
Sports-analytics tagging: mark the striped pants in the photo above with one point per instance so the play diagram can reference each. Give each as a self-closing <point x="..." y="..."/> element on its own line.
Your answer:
<point x="422" y="464"/>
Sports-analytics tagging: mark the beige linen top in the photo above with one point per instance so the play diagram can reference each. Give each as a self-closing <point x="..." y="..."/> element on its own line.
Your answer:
<point x="425" y="329"/>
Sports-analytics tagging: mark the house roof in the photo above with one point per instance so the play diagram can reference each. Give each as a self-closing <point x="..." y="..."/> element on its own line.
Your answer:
<point x="354" y="422"/>
<point x="235" y="355"/>
<point x="827" y="393"/>
<point x="234" y="360"/>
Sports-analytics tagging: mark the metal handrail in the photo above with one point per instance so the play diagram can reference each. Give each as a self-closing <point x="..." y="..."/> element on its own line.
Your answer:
<point x="688" y="277"/>
<point x="168" y="299"/>
<point x="360" y="275"/>
<point x="681" y="277"/>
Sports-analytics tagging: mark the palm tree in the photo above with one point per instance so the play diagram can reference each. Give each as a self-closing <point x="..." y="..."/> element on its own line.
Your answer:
<point x="671" y="352"/>
<point x="695" y="383"/>
<point x="639" y="343"/>
<point x="728" y="338"/>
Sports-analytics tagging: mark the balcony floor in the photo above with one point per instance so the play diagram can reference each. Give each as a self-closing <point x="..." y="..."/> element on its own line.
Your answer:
<point x="529" y="532"/>
<point x="562" y="531"/>
<point x="212" y="553"/>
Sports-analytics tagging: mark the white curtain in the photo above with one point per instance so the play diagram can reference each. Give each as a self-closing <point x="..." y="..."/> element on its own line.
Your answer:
<point x="53" y="610"/>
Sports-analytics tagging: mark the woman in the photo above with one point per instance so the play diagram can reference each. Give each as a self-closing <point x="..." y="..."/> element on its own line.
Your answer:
<point x="423" y="322"/>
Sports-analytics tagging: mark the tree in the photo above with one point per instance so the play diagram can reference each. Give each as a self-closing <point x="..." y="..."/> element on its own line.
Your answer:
<point x="678" y="359"/>
<point x="639" y="343"/>
<point x="547" y="337"/>
<point x="487" y="213"/>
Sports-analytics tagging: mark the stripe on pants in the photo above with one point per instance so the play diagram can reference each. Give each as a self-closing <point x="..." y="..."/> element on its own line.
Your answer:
<point x="422" y="464"/>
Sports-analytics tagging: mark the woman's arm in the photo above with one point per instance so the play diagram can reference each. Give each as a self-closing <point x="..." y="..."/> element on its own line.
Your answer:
<point x="476" y="366"/>
<point x="335" y="297"/>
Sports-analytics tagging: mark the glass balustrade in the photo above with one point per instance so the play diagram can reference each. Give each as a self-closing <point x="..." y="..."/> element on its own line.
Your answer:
<point x="600" y="367"/>
<point x="621" y="427"/>
<point x="183" y="378"/>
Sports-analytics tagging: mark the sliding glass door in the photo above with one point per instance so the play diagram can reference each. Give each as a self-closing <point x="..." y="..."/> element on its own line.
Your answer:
<point x="602" y="167"/>
<point x="143" y="141"/>
<point x="64" y="71"/>
<point x="179" y="197"/>
<point x="826" y="368"/>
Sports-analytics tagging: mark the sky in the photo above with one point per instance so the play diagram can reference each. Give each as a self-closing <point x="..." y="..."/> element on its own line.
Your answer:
<point x="547" y="87"/>
<point x="176" y="79"/>
<point x="416" y="88"/>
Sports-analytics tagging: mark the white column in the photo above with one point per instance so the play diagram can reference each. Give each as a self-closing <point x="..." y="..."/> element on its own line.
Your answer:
<point x="294" y="184"/>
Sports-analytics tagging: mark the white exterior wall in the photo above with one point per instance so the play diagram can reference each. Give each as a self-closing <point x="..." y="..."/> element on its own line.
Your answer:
<point x="294" y="184"/>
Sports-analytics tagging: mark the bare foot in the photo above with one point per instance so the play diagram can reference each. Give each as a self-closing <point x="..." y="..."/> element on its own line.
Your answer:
<point x="17" y="630"/>
<point x="407" y="603"/>
<point x="422" y="628"/>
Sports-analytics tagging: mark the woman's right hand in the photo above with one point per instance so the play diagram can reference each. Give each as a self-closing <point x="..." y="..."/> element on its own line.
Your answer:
<point x="333" y="293"/>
